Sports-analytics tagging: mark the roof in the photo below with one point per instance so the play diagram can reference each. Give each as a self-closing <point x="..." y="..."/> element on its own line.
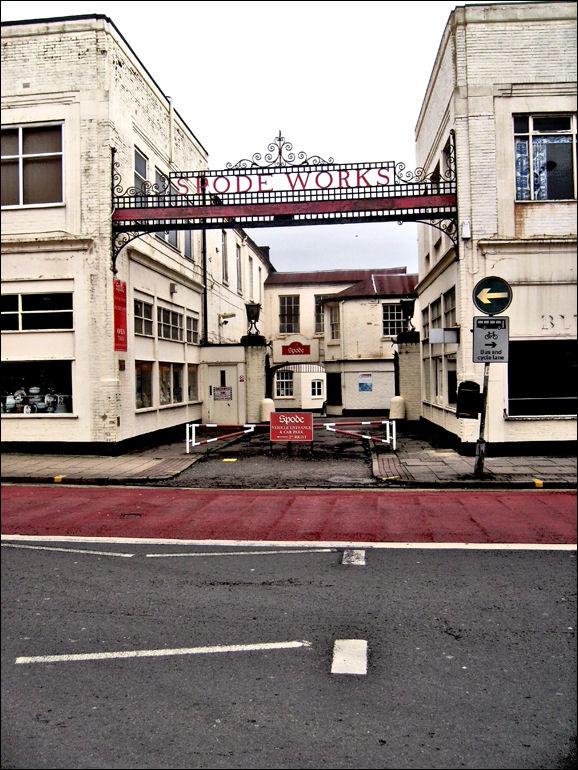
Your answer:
<point x="330" y="276"/>
<point x="382" y="285"/>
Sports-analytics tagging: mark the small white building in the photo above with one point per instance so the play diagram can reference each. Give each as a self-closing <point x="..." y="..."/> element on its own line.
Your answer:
<point x="504" y="86"/>
<point x="333" y="337"/>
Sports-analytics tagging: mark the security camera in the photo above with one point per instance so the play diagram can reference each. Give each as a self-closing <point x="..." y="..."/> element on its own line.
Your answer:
<point x="224" y="323"/>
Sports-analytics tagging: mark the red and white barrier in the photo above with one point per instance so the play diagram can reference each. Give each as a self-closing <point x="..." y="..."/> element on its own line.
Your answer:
<point x="389" y="426"/>
<point x="192" y="433"/>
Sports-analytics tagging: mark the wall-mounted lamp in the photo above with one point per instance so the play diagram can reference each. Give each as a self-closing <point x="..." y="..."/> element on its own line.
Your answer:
<point x="253" y="312"/>
<point x="407" y="309"/>
<point x="173" y="288"/>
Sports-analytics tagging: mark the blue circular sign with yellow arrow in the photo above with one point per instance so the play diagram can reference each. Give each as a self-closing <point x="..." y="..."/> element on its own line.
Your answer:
<point x="492" y="295"/>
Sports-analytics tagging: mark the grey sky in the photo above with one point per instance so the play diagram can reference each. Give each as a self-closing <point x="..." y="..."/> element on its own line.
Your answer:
<point x="342" y="80"/>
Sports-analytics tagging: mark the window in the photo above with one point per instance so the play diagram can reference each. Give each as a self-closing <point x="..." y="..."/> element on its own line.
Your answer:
<point x="319" y="314"/>
<point x="188" y="244"/>
<point x="426" y="379"/>
<point x="170" y="324"/>
<point x="439" y="377"/>
<point x="542" y="377"/>
<point x="170" y="383"/>
<point x="284" y="384"/>
<point x="452" y="380"/>
<point x="224" y="258"/>
<point x="36" y="387"/>
<point x="27" y="312"/>
<point x="143" y="384"/>
<point x="192" y="382"/>
<point x="289" y="314"/>
<point x="143" y="318"/>
<point x="425" y="323"/>
<point x="193" y="329"/>
<point x="239" y="270"/>
<point x="393" y="323"/>
<point x="251" y="280"/>
<point x="450" y="308"/>
<point x="317" y="388"/>
<point x="32" y="165"/>
<point x="436" y="314"/>
<point x="545" y="148"/>
<point x="169" y="236"/>
<point x="140" y="171"/>
<point x="334" y="322"/>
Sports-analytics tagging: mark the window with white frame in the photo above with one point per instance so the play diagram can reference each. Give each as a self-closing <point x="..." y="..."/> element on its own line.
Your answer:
<point x="436" y="314"/>
<point x="170" y="383"/>
<point x="426" y="369"/>
<point x="284" y="384"/>
<point x="188" y="247"/>
<point x="452" y="380"/>
<point x="32" y="165"/>
<point x="392" y="320"/>
<point x="169" y="324"/>
<point x="545" y="150"/>
<point x="438" y="366"/>
<point x="27" y="312"/>
<point x="450" y="308"/>
<point x="239" y="263"/>
<point x="317" y="388"/>
<point x="251" y="279"/>
<point x="193" y="329"/>
<point x="224" y="258"/>
<point x="319" y="313"/>
<point x="143" y="318"/>
<point x="140" y="170"/>
<point x="334" y="322"/>
<point x="289" y="314"/>
<point x="425" y="323"/>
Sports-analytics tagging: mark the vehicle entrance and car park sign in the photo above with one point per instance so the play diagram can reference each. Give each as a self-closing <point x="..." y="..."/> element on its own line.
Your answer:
<point x="291" y="426"/>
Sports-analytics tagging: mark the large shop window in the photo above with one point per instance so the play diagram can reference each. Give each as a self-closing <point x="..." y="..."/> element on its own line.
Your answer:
<point x="542" y="378"/>
<point x="170" y="384"/>
<point x="32" y="165"/>
<point x="144" y="384"/>
<point x="545" y="148"/>
<point x="29" y="312"/>
<point x="36" y="387"/>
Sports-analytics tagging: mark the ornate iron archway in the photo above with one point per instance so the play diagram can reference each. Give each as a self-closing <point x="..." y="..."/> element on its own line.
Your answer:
<point x="201" y="200"/>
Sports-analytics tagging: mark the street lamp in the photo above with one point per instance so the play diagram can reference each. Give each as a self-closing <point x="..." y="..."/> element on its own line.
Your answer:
<point x="253" y="312"/>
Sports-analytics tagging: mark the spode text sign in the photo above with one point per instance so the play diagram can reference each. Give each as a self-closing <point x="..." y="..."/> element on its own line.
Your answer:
<point x="295" y="349"/>
<point x="291" y="426"/>
<point x="293" y="179"/>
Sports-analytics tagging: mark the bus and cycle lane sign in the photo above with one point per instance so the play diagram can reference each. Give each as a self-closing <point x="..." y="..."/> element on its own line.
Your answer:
<point x="491" y="339"/>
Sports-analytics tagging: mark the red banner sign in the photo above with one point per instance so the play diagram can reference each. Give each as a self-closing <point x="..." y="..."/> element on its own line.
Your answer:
<point x="120" y="336"/>
<point x="296" y="349"/>
<point x="291" y="426"/>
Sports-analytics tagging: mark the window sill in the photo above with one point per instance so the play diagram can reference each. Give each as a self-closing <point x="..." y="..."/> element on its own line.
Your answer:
<point x="539" y="417"/>
<point x="36" y="416"/>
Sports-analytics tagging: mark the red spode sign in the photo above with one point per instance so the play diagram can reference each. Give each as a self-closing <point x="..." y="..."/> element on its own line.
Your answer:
<point x="295" y="349"/>
<point x="291" y="426"/>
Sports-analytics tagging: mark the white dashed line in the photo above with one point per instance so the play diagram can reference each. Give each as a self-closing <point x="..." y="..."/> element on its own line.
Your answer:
<point x="349" y="657"/>
<point x="68" y="550"/>
<point x="161" y="653"/>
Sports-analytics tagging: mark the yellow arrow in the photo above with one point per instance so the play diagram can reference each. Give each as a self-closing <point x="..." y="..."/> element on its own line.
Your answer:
<point x="486" y="295"/>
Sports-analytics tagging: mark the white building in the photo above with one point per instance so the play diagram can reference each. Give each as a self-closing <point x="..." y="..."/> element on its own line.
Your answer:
<point x="91" y="358"/>
<point x="504" y="81"/>
<point x="333" y="337"/>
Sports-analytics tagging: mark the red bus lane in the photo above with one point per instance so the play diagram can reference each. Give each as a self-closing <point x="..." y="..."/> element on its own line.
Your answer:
<point x="361" y="516"/>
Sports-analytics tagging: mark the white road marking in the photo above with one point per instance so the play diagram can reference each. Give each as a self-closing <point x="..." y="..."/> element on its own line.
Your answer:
<point x="67" y="550"/>
<point x="297" y="543"/>
<point x="353" y="556"/>
<point x="349" y="657"/>
<point x="238" y="553"/>
<point x="161" y="653"/>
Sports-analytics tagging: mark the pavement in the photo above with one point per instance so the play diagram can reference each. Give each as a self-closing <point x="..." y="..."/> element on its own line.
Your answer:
<point x="415" y="463"/>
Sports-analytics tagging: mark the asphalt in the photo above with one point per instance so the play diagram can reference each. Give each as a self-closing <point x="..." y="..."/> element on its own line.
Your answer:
<point x="415" y="463"/>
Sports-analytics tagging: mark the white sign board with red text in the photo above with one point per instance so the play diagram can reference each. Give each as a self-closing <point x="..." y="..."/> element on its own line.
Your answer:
<point x="291" y="426"/>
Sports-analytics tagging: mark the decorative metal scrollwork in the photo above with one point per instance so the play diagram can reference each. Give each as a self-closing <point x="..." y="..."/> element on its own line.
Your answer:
<point x="433" y="177"/>
<point x="144" y="187"/>
<point x="280" y="153"/>
<point x="119" y="241"/>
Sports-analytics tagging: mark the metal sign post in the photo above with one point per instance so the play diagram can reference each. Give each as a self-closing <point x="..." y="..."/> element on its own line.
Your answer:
<point x="491" y="295"/>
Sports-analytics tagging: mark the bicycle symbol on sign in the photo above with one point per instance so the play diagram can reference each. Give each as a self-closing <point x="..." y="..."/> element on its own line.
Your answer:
<point x="491" y="336"/>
